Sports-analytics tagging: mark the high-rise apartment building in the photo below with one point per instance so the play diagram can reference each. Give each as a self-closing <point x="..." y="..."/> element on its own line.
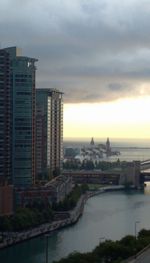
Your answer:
<point x="5" y="117"/>
<point x="49" y="132"/>
<point x="19" y="80"/>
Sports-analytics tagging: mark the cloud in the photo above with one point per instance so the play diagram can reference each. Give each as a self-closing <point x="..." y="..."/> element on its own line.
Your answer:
<point x="93" y="51"/>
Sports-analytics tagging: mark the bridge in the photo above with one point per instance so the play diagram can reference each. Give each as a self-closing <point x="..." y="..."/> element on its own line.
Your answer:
<point x="145" y="171"/>
<point x="94" y="177"/>
<point x="134" y="173"/>
<point x="145" y="164"/>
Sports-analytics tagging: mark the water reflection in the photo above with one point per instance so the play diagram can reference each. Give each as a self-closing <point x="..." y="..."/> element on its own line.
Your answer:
<point x="32" y="251"/>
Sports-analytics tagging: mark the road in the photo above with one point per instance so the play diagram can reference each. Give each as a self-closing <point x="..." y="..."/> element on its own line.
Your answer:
<point x="143" y="258"/>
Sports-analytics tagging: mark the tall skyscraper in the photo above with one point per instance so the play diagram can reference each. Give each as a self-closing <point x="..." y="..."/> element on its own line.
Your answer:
<point x="21" y="71"/>
<point x="5" y="117"/>
<point x="49" y="132"/>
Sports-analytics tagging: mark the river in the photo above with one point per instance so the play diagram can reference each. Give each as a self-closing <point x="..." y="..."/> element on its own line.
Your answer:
<point x="110" y="215"/>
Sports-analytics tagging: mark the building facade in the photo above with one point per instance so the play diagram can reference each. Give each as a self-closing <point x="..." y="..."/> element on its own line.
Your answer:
<point x="130" y="174"/>
<point x="21" y="72"/>
<point x="49" y="133"/>
<point x="6" y="199"/>
<point x="53" y="192"/>
<point x="5" y="117"/>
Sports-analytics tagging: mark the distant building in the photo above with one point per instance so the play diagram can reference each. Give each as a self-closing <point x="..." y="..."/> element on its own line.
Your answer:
<point x="131" y="174"/>
<point x="49" y="133"/>
<point x="70" y="152"/>
<point x="92" y="152"/>
<point x="108" y="148"/>
<point x="18" y="97"/>
<point x="92" y="142"/>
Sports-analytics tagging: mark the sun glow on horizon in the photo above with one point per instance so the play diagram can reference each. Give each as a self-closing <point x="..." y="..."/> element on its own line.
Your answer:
<point x="124" y="118"/>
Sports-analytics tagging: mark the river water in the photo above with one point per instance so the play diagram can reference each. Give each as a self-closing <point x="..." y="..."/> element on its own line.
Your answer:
<point x="110" y="215"/>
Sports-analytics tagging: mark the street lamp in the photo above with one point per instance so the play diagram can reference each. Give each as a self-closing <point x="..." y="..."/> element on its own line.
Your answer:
<point x="100" y="241"/>
<point x="135" y="228"/>
<point x="46" y="251"/>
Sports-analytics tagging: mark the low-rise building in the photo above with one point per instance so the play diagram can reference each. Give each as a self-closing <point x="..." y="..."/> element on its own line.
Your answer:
<point x="62" y="186"/>
<point x="53" y="192"/>
<point x="6" y="199"/>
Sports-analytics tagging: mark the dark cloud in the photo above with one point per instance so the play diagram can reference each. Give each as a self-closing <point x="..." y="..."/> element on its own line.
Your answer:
<point x="115" y="87"/>
<point x="93" y="51"/>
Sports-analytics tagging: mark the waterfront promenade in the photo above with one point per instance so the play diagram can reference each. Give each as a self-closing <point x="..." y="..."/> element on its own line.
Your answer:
<point x="11" y="238"/>
<point x="111" y="215"/>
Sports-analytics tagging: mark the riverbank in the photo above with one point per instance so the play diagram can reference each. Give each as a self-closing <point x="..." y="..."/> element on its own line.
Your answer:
<point x="110" y="215"/>
<point x="128" y="249"/>
<point x="12" y="238"/>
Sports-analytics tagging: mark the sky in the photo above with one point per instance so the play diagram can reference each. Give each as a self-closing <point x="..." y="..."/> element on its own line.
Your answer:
<point x="95" y="51"/>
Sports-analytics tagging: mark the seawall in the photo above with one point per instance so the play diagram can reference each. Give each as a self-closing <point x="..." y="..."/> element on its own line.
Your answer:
<point x="12" y="238"/>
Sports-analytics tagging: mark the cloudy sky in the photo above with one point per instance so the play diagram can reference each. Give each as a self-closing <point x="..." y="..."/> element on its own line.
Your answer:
<point x="96" y="51"/>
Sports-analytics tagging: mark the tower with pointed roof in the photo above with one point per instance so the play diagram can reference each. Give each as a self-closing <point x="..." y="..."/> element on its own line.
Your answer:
<point x="92" y="142"/>
<point x="108" y="147"/>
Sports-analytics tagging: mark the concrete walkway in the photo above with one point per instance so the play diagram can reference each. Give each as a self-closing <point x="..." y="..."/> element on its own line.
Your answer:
<point x="11" y="238"/>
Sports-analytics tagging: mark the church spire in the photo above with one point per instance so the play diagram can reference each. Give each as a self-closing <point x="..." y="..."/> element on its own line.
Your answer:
<point x="108" y="147"/>
<point x="92" y="142"/>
